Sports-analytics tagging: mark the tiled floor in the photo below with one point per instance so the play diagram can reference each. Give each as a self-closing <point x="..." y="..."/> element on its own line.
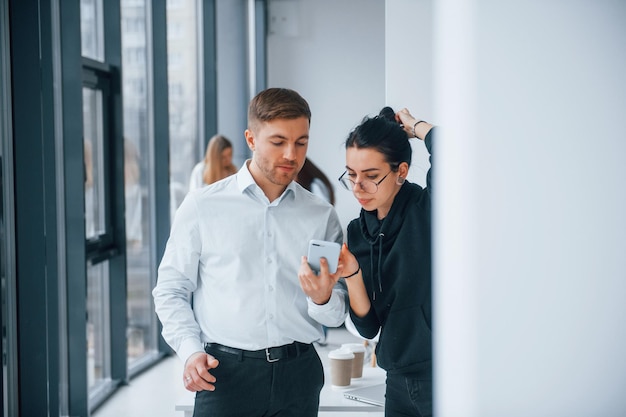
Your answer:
<point x="154" y="392"/>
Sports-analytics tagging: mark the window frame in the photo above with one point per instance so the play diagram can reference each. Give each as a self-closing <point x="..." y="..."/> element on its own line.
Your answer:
<point x="97" y="76"/>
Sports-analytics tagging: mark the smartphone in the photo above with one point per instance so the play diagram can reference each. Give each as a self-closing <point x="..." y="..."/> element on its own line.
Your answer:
<point x="323" y="249"/>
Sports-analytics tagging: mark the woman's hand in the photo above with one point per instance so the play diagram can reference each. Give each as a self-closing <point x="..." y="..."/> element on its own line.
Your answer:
<point x="359" y="301"/>
<point x="348" y="261"/>
<point x="413" y="127"/>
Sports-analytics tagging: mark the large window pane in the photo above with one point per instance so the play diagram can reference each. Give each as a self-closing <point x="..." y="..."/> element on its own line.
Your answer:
<point x="98" y="326"/>
<point x="95" y="207"/>
<point x="184" y="93"/>
<point x="91" y="27"/>
<point x="141" y="328"/>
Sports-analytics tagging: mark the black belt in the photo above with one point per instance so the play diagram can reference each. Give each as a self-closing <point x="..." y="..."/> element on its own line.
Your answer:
<point x="271" y="354"/>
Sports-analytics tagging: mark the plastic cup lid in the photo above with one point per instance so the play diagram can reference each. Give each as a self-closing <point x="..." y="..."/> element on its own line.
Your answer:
<point x="340" y="354"/>
<point x="353" y="347"/>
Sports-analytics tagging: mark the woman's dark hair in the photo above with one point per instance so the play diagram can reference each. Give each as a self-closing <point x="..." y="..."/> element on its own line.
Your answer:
<point x="309" y="172"/>
<point x="384" y="134"/>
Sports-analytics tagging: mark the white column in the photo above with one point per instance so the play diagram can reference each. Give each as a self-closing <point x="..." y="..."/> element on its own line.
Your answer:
<point x="530" y="213"/>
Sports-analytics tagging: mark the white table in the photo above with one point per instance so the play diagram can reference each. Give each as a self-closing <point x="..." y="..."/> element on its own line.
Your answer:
<point x="331" y="399"/>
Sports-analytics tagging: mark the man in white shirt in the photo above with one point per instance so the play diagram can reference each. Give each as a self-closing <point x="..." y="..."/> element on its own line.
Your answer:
<point x="237" y="246"/>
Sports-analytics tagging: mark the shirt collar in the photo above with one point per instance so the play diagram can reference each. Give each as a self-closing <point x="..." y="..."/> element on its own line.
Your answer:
<point x="244" y="177"/>
<point x="245" y="181"/>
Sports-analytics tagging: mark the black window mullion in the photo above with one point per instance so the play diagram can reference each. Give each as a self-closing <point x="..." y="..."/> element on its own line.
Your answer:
<point x="117" y="264"/>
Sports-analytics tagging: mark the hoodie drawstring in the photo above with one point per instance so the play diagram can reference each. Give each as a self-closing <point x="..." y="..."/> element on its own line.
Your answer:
<point x="378" y="239"/>
<point x="380" y="262"/>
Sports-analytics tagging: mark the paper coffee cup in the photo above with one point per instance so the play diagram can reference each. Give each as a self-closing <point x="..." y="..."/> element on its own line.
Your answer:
<point x="359" y="353"/>
<point x="340" y="367"/>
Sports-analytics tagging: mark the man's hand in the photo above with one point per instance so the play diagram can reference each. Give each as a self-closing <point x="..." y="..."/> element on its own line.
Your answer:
<point x="196" y="376"/>
<point x="318" y="287"/>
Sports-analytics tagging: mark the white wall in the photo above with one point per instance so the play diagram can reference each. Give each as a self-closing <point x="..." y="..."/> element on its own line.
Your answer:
<point x="409" y="69"/>
<point x="530" y="272"/>
<point x="333" y="53"/>
<point x="232" y="70"/>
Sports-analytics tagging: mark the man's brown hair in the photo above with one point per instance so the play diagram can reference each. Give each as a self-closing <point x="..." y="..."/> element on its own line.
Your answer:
<point x="277" y="103"/>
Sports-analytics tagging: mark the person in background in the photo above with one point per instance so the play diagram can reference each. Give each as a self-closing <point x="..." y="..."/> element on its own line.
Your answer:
<point x="313" y="179"/>
<point x="217" y="163"/>
<point x="236" y="246"/>
<point x="387" y="258"/>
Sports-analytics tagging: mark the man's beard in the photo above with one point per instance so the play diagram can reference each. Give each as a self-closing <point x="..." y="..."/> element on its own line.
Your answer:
<point x="272" y="173"/>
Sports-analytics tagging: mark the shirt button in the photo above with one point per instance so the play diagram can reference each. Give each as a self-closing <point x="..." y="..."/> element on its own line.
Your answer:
<point x="269" y="260"/>
<point x="271" y="288"/>
<point x="271" y="317"/>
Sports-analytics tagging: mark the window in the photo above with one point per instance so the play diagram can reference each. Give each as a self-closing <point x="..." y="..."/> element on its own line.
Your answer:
<point x="184" y="99"/>
<point x="175" y="4"/>
<point x="141" y="330"/>
<point x="98" y="231"/>
<point x="95" y="195"/>
<point x="174" y="60"/>
<point x="176" y="92"/>
<point x="104" y="202"/>
<point x="91" y="27"/>
<point x="133" y="24"/>
<point x="97" y="163"/>
<point x="175" y="31"/>
<point x="98" y="326"/>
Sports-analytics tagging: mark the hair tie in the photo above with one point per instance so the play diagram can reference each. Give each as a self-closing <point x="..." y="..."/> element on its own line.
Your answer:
<point x="354" y="273"/>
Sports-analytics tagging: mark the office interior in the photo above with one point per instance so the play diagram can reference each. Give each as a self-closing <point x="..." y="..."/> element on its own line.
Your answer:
<point x="105" y="106"/>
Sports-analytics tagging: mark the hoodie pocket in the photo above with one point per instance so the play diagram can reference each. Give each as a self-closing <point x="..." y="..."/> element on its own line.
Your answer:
<point x="405" y="340"/>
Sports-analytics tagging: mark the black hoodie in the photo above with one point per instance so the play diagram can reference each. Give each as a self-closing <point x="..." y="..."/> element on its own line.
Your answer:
<point x="395" y="257"/>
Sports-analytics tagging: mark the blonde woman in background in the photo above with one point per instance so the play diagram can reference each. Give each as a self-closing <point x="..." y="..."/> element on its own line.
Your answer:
<point x="217" y="163"/>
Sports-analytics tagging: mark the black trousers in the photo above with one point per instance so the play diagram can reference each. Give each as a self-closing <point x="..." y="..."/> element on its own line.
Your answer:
<point x="408" y="396"/>
<point x="254" y="387"/>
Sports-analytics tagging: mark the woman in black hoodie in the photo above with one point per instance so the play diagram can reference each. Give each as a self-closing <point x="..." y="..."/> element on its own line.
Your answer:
<point x="387" y="259"/>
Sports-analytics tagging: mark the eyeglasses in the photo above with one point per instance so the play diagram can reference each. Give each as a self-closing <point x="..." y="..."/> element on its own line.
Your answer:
<point x="367" y="186"/>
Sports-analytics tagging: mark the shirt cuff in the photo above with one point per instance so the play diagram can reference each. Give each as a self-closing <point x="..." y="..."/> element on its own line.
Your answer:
<point x="322" y="308"/>
<point x="331" y="314"/>
<point x="188" y="347"/>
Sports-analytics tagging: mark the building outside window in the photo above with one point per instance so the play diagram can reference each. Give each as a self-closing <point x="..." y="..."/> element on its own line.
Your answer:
<point x="184" y="94"/>
<point x="141" y="330"/>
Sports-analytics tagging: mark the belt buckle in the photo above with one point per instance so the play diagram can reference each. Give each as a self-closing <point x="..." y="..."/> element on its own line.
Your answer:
<point x="268" y="356"/>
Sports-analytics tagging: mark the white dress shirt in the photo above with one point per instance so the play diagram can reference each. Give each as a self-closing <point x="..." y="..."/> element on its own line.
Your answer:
<point x="239" y="255"/>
